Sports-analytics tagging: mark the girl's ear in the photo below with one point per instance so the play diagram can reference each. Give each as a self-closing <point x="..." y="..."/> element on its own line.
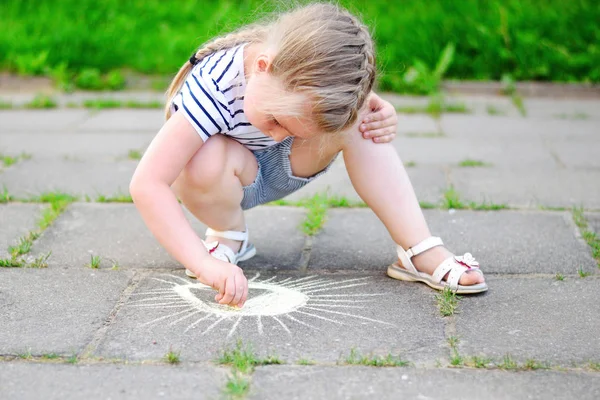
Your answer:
<point x="263" y="63"/>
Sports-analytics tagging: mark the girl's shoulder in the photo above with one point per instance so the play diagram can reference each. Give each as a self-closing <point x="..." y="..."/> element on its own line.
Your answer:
<point x="224" y="69"/>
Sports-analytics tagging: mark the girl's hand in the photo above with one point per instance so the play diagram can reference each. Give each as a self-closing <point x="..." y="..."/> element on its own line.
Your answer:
<point x="381" y="121"/>
<point x="226" y="278"/>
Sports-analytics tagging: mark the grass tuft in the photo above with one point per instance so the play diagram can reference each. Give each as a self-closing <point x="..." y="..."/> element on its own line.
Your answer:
<point x="375" y="361"/>
<point x="452" y="200"/>
<point x="41" y="101"/>
<point x="172" y="357"/>
<point x="237" y="386"/>
<point x="304" y="361"/>
<point x="94" y="262"/>
<point x="456" y="360"/>
<point x="473" y="163"/>
<point x="447" y="302"/>
<point x="480" y="361"/>
<point x="582" y="273"/>
<point x="508" y="363"/>
<point x="243" y="359"/>
<point x="559" y="277"/>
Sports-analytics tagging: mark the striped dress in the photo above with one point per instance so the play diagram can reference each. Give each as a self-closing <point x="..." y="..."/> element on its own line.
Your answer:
<point x="212" y="99"/>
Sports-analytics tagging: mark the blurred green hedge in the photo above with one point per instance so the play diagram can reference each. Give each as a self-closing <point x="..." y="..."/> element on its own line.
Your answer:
<point x="548" y="40"/>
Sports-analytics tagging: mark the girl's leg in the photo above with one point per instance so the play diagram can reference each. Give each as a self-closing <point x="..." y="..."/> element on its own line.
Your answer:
<point x="380" y="179"/>
<point x="211" y="185"/>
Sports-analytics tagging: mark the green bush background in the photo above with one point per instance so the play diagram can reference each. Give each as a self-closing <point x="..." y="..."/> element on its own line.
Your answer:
<point x="557" y="40"/>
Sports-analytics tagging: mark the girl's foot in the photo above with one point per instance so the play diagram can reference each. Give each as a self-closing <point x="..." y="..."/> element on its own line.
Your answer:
<point x="431" y="263"/>
<point x="429" y="260"/>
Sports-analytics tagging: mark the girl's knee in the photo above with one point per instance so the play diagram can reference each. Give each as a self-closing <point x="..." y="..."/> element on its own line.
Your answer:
<point x="206" y="167"/>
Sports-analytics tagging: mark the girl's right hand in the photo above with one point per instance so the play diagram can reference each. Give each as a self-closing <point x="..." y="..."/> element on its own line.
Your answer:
<point x="226" y="278"/>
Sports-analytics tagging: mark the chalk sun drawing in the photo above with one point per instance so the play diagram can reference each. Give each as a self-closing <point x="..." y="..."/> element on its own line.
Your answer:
<point x="289" y="301"/>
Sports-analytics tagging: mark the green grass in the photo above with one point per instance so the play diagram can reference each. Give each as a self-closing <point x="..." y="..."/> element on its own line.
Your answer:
<point x="532" y="365"/>
<point x="375" y="361"/>
<point x="492" y="110"/>
<point x="118" y="198"/>
<point x="452" y="200"/>
<point x="50" y="356"/>
<point x="316" y="214"/>
<point x="8" y="160"/>
<point x="517" y="37"/>
<point x="305" y="361"/>
<point x="135" y="154"/>
<point x="590" y="237"/>
<point x="447" y="302"/>
<point x="410" y="164"/>
<point x="237" y="386"/>
<point x="5" y="105"/>
<point x="508" y="363"/>
<point x="594" y="366"/>
<point x="41" y="101"/>
<point x="172" y="357"/>
<point x="243" y="359"/>
<point x="559" y="277"/>
<point x="582" y="273"/>
<point x="434" y="108"/>
<point x="99" y="104"/>
<point x="94" y="262"/>
<point x="456" y="360"/>
<point x="480" y="362"/>
<point x="473" y="163"/>
<point x="10" y="263"/>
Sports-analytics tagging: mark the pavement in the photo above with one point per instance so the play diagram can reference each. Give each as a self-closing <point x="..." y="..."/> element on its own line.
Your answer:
<point x="321" y="305"/>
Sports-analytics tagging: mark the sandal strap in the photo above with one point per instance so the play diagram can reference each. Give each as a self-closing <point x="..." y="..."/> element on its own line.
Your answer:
<point x="454" y="270"/>
<point x="233" y="235"/>
<point x="424" y="245"/>
<point x="220" y="252"/>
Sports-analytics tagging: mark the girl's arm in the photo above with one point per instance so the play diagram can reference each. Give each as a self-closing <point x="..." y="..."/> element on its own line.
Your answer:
<point x="381" y="122"/>
<point x="150" y="189"/>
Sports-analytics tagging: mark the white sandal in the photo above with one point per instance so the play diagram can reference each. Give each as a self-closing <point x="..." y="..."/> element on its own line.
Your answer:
<point x="456" y="265"/>
<point x="224" y="253"/>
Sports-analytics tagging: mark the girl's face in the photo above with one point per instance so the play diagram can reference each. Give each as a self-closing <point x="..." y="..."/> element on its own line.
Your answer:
<point x="264" y="90"/>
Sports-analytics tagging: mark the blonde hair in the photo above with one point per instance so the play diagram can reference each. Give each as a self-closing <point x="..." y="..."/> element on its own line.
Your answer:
<point x="320" y="50"/>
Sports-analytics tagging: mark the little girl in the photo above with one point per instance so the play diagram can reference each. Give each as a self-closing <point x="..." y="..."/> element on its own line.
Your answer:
<point x="256" y="115"/>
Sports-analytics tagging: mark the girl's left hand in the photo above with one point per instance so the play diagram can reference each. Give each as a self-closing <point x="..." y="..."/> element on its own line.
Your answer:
<point x="381" y="122"/>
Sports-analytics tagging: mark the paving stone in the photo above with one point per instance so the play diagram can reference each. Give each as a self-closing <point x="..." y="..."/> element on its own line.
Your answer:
<point x="74" y="146"/>
<point x="117" y="233"/>
<point x="276" y="233"/>
<point x="12" y="121"/>
<point x="55" y="311"/>
<point x="110" y="381"/>
<point x="92" y="178"/>
<point x="16" y="220"/>
<point x="543" y="319"/>
<point x="593" y="220"/>
<point x="293" y="316"/>
<point x="124" y="120"/>
<point x="300" y="382"/>
<point x="513" y="242"/>
<point x="496" y="152"/>
<point x="428" y="182"/>
<point x="530" y="188"/>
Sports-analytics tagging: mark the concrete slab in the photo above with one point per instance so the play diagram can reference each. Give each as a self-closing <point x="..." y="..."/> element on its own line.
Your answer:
<point x="75" y="146"/>
<point x="110" y="381"/>
<point x="498" y="152"/>
<point x="16" y="220"/>
<point x="120" y="235"/>
<point x="276" y="233"/>
<point x="15" y="121"/>
<point x="129" y="120"/>
<point x="429" y="183"/>
<point x="593" y="220"/>
<point x="293" y="316"/>
<point x="514" y="242"/>
<point x="529" y="188"/>
<point x="543" y="319"/>
<point x="55" y="311"/>
<point x="80" y="178"/>
<point x="299" y="382"/>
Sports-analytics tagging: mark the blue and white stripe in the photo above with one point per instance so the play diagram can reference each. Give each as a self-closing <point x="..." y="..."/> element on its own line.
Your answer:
<point x="212" y="99"/>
